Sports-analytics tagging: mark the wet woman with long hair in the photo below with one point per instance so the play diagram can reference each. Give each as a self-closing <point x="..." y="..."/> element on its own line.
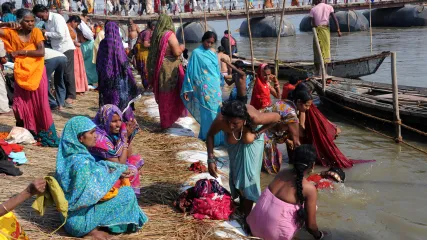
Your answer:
<point x="289" y="202"/>
<point x="243" y="127"/>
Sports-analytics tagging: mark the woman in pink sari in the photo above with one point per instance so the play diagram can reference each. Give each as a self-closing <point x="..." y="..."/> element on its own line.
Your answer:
<point x="165" y="72"/>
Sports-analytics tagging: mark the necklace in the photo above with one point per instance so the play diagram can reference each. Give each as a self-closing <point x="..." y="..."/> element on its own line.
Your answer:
<point x="241" y="134"/>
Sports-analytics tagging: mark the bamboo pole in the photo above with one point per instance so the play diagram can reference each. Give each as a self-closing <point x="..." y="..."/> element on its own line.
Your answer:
<point x="206" y="22"/>
<point x="396" y="113"/>
<point x="370" y="23"/>
<point x="322" y="63"/>
<point x="250" y="35"/>
<point x="276" y="58"/>
<point x="229" y="35"/>
<point x="182" y="29"/>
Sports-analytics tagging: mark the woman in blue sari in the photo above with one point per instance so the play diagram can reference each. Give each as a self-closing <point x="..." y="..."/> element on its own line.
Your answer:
<point x="86" y="181"/>
<point x="201" y="91"/>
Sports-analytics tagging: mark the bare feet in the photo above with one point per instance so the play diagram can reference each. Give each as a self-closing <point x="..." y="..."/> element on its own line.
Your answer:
<point x="97" y="234"/>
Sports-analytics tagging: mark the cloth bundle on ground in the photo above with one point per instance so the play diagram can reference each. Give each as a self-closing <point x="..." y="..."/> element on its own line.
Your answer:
<point x="207" y="199"/>
<point x="10" y="147"/>
<point x="197" y="167"/>
<point x="20" y="135"/>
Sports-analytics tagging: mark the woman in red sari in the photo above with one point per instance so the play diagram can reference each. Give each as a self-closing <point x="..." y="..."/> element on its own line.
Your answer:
<point x="262" y="87"/>
<point x="30" y="101"/>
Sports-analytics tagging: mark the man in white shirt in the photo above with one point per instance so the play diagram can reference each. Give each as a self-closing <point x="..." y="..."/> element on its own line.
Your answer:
<point x="58" y="34"/>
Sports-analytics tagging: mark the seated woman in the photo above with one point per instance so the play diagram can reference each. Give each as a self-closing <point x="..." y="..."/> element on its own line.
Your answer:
<point x="113" y="142"/>
<point x="244" y="140"/>
<point x="288" y="203"/>
<point x="86" y="181"/>
<point x="9" y="225"/>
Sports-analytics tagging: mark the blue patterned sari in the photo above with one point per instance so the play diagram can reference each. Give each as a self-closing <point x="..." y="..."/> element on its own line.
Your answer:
<point x="202" y="84"/>
<point x="85" y="181"/>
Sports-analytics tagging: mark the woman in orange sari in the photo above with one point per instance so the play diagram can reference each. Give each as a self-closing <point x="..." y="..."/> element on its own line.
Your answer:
<point x="30" y="102"/>
<point x="79" y="65"/>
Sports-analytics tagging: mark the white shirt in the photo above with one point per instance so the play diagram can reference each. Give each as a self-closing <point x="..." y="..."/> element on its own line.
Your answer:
<point x="58" y="33"/>
<point x="50" y="53"/>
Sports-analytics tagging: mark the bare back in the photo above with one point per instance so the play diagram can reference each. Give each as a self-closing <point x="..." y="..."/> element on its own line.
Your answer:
<point x="224" y="67"/>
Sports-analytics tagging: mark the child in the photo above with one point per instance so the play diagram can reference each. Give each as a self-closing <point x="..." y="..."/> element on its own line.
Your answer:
<point x="240" y="79"/>
<point x="289" y="87"/>
<point x="263" y="87"/>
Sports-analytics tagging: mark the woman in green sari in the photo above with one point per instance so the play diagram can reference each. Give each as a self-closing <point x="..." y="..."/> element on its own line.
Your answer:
<point x="87" y="51"/>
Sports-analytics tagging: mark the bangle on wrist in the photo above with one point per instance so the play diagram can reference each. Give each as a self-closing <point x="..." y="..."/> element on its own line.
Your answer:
<point x="211" y="160"/>
<point x="321" y="235"/>
<point x="4" y="207"/>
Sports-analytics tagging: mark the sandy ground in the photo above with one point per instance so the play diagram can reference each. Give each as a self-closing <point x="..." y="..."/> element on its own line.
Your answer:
<point x="161" y="178"/>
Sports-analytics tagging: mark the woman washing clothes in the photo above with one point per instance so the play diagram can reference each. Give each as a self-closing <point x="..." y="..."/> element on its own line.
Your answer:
<point x="243" y="126"/>
<point x="201" y="91"/>
<point x="113" y="142"/>
<point x="165" y="71"/>
<point x="288" y="203"/>
<point x="30" y="102"/>
<point x="86" y="182"/>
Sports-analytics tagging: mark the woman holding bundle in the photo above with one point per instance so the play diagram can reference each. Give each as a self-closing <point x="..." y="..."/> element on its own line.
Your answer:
<point x="30" y="103"/>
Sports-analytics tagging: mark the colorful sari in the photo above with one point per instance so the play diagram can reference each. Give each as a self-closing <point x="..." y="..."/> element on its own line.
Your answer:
<point x="116" y="83"/>
<point x="10" y="228"/>
<point x="321" y="133"/>
<point x="202" y="85"/>
<point x="30" y="101"/>
<point x="79" y="67"/>
<point x="87" y="51"/>
<point x="109" y="145"/>
<point x="141" y="55"/>
<point x="165" y="73"/>
<point x="261" y="93"/>
<point x="86" y="181"/>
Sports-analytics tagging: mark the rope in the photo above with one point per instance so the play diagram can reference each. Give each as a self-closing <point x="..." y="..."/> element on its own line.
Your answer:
<point x="384" y="135"/>
<point x="399" y="122"/>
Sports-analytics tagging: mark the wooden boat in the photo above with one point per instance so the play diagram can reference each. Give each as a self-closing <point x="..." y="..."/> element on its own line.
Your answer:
<point x="376" y="99"/>
<point x="352" y="68"/>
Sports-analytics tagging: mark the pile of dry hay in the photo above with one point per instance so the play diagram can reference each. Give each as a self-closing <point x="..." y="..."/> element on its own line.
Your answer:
<point x="161" y="177"/>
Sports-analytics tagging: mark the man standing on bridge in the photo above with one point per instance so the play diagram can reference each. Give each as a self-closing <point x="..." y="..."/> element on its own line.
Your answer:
<point x="320" y="20"/>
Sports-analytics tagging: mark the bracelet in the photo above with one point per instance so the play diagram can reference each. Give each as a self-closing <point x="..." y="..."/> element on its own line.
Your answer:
<point x="211" y="160"/>
<point x="26" y="52"/>
<point x="4" y="207"/>
<point x="321" y="235"/>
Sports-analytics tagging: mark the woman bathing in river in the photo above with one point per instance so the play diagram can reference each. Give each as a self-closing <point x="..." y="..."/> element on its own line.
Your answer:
<point x="244" y="126"/>
<point x="289" y="202"/>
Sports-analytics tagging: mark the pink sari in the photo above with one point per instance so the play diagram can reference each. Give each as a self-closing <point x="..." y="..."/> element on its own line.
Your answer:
<point x="167" y="80"/>
<point x="80" y="72"/>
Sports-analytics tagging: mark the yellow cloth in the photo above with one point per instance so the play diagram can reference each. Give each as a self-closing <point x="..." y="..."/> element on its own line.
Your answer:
<point x="27" y="70"/>
<point x="98" y="39"/>
<point x="52" y="195"/>
<point x="10" y="228"/>
<point x="114" y="190"/>
<point x="324" y="35"/>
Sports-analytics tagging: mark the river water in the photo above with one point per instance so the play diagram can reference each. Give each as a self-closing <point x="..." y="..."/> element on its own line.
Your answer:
<point x="380" y="200"/>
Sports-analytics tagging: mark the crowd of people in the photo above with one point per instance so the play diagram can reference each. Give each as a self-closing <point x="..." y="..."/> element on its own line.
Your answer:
<point x="96" y="167"/>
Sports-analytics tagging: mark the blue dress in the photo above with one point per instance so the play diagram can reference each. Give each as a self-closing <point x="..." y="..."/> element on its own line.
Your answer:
<point x="85" y="181"/>
<point x="202" y="84"/>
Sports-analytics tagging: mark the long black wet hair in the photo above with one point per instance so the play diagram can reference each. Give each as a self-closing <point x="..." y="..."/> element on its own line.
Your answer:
<point x="305" y="156"/>
<point x="235" y="109"/>
<point x="209" y="34"/>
